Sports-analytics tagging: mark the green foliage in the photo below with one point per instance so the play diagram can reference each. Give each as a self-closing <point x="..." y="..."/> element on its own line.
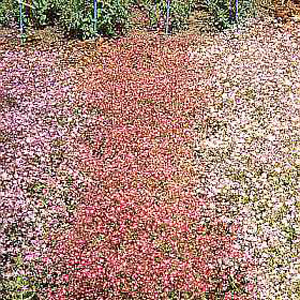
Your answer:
<point x="113" y="17"/>
<point x="19" y="287"/>
<point x="154" y="11"/>
<point x="8" y="13"/>
<point x="179" y="12"/>
<point x="45" y="13"/>
<point x="40" y="8"/>
<point x="220" y="10"/>
<point x="37" y="13"/>
<point x="76" y="19"/>
<point x="246" y="9"/>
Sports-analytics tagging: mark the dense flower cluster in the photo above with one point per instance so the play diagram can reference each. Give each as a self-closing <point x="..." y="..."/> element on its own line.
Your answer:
<point x="141" y="232"/>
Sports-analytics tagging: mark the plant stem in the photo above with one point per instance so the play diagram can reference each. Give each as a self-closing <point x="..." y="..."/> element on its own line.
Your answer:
<point x="21" y="17"/>
<point x="157" y="13"/>
<point x="22" y="31"/>
<point x="168" y="15"/>
<point x="95" y="15"/>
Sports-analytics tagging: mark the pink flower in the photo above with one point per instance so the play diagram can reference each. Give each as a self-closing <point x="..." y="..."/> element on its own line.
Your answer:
<point x="31" y="256"/>
<point x="140" y="226"/>
<point x="46" y="260"/>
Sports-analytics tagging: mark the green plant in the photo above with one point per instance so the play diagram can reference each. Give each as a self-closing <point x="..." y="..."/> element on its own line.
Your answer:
<point x="76" y="19"/>
<point x="246" y="9"/>
<point x="180" y="12"/>
<point x="154" y="11"/>
<point x="113" y="17"/>
<point x="44" y="12"/>
<point x="37" y="13"/>
<point x="8" y="13"/>
<point x="19" y="287"/>
<point x="36" y="188"/>
<point x="227" y="12"/>
<point x="221" y="12"/>
<point x="40" y="8"/>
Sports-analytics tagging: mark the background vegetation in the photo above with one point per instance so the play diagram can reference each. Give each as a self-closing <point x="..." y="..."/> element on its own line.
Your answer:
<point x="114" y="17"/>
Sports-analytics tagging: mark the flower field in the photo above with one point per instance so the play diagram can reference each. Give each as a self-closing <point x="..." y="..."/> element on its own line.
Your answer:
<point x="119" y="169"/>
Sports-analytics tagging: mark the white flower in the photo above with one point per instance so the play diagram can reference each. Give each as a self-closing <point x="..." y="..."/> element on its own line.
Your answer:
<point x="287" y="82"/>
<point x="271" y="138"/>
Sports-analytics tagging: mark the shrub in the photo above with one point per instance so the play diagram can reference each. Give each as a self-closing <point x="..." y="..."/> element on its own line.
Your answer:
<point x="75" y="17"/>
<point x="44" y="13"/>
<point x="113" y="17"/>
<point x="36" y="13"/>
<point x="179" y="12"/>
<point x="8" y="13"/>
<point x="225" y="14"/>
